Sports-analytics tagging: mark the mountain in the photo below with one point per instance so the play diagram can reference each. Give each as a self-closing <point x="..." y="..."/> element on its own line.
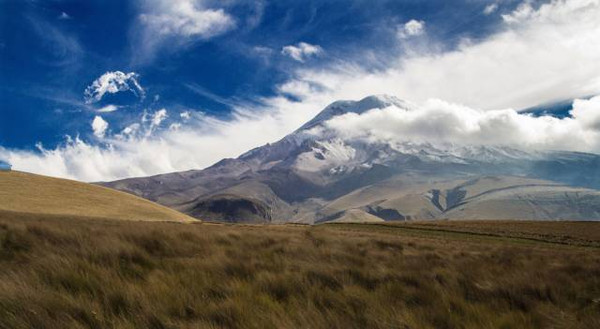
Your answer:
<point x="23" y="193"/>
<point x="313" y="175"/>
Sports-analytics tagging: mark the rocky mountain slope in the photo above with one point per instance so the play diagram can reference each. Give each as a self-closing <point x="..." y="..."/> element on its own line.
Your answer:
<point x="314" y="176"/>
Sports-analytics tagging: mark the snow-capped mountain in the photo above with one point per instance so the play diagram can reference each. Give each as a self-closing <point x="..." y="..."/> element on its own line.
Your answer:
<point x="314" y="174"/>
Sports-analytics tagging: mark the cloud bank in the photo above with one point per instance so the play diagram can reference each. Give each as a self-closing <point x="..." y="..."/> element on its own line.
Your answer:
<point x="437" y="121"/>
<point x="149" y="147"/>
<point x="538" y="56"/>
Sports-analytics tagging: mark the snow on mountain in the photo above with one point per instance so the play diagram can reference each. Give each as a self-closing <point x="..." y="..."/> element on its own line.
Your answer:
<point x="314" y="174"/>
<point x="362" y="106"/>
<point x="316" y="149"/>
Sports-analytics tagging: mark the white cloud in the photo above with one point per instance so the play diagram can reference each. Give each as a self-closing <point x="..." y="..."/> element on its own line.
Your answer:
<point x="302" y="51"/>
<point x="113" y="82"/>
<point x="524" y="11"/>
<point x="441" y="122"/>
<point x="99" y="126"/>
<point x="588" y="113"/>
<point x="186" y="18"/>
<point x="552" y="55"/>
<point x="490" y="9"/>
<point x="185" y="115"/>
<point x="410" y="29"/>
<point x="129" y="133"/>
<point x="178" y="21"/>
<point x="107" y="109"/>
<point x="205" y="140"/>
<point x="135" y="151"/>
<point x="158" y="117"/>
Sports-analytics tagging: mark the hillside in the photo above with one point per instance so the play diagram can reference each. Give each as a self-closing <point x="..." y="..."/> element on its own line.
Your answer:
<point x="33" y="194"/>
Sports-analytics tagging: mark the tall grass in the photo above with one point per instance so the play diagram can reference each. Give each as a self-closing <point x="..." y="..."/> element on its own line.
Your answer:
<point x="93" y="274"/>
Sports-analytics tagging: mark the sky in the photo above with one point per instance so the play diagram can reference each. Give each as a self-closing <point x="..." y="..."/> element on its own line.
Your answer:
<point x="103" y="90"/>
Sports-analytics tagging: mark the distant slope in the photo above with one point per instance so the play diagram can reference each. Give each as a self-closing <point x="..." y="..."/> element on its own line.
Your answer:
<point x="28" y="193"/>
<point x="485" y="197"/>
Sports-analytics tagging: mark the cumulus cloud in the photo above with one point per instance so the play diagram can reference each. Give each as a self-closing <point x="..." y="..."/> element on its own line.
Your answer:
<point x="410" y="29"/>
<point x="587" y="112"/>
<point x="437" y="121"/>
<point x="99" y="126"/>
<point x="302" y="51"/>
<point x="112" y="83"/>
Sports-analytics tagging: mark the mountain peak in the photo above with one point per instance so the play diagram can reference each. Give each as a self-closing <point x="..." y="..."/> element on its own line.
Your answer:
<point x="342" y="107"/>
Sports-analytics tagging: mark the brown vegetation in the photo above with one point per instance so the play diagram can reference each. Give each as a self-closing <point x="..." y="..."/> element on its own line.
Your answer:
<point x="564" y="232"/>
<point x="28" y="193"/>
<point x="67" y="273"/>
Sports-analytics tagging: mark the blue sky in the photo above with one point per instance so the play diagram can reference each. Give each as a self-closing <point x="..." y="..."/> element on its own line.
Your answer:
<point x="201" y="67"/>
<point x="52" y="50"/>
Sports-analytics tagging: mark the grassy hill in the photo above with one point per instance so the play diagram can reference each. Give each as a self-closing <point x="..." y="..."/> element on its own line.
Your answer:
<point x="33" y="194"/>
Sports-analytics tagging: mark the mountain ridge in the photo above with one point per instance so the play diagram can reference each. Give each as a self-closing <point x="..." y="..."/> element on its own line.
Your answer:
<point x="299" y="177"/>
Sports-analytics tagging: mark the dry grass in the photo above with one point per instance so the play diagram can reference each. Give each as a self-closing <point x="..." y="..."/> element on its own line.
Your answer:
<point x="564" y="232"/>
<point x="24" y="192"/>
<point x="65" y="273"/>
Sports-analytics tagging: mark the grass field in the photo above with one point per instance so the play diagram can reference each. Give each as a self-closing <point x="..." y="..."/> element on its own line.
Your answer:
<point x="22" y="192"/>
<point x="66" y="273"/>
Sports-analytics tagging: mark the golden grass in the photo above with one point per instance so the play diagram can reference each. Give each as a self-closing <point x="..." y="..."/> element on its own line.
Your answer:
<point x="564" y="232"/>
<point x="29" y="193"/>
<point x="67" y="273"/>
